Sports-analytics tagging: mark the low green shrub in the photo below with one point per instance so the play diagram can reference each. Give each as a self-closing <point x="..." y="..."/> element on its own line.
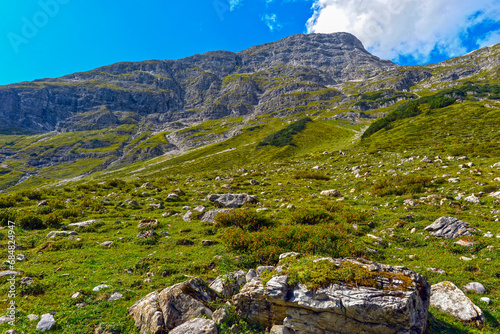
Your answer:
<point x="243" y="219"/>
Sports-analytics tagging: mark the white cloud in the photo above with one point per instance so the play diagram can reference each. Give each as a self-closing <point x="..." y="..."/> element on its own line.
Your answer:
<point x="271" y="20"/>
<point x="390" y="28"/>
<point x="233" y="4"/>
<point x="490" y="39"/>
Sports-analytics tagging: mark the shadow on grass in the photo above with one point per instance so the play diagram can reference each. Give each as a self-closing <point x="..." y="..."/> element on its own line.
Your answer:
<point x="438" y="326"/>
<point x="490" y="319"/>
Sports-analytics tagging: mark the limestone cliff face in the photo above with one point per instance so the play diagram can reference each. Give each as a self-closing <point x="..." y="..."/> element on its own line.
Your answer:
<point x="207" y="86"/>
<point x="262" y="79"/>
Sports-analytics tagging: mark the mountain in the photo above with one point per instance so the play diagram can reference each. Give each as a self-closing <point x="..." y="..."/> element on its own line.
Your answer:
<point x="120" y="183"/>
<point x="207" y="86"/>
<point x="128" y="112"/>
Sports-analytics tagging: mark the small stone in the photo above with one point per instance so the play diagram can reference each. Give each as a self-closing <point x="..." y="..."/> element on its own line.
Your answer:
<point x="43" y="203"/>
<point x="107" y="243"/>
<point x="464" y="243"/>
<point x="99" y="287"/>
<point x="20" y="258"/>
<point x="437" y="270"/>
<point x="332" y="192"/>
<point x="115" y="296"/>
<point x="486" y="300"/>
<point x="209" y="242"/>
<point x="33" y="317"/>
<point x="76" y="295"/>
<point x="46" y="322"/>
<point x="464" y="258"/>
<point x="476" y="287"/>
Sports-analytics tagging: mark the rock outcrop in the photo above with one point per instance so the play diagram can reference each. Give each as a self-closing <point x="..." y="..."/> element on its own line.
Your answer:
<point x="449" y="228"/>
<point x="400" y="306"/>
<point x="391" y="300"/>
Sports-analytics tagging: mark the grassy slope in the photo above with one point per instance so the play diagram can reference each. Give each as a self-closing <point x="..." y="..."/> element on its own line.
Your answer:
<point x="286" y="177"/>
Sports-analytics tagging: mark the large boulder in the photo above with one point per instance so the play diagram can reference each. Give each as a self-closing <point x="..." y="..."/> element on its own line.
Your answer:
<point x="398" y="304"/>
<point x="158" y="312"/>
<point x="147" y="314"/>
<point x="448" y="298"/>
<point x="185" y="301"/>
<point x="231" y="200"/>
<point x="196" y="326"/>
<point x="449" y="228"/>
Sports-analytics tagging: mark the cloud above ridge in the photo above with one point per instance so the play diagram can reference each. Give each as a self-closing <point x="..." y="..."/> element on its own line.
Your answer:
<point x="392" y="29"/>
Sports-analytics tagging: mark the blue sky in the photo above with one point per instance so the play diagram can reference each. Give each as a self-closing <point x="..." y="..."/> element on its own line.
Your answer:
<point x="51" y="38"/>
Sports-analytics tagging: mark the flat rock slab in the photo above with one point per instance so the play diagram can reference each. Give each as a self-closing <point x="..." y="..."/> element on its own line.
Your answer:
<point x="83" y="224"/>
<point x="196" y="326"/>
<point x="54" y="234"/>
<point x="231" y="200"/>
<point x="9" y="273"/>
<point x="448" y="298"/>
<point x="449" y="228"/>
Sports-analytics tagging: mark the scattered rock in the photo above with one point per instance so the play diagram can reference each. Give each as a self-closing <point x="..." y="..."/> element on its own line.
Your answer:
<point x="146" y="234"/>
<point x="495" y="194"/>
<point x="99" y="287"/>
<point x="46" y="323"/>
<point x="9" y="273"/>
<point x="148" y="223"/>
<point x="115" y="296"/>
<point x="437" y="270"/>
<point x="43" y="203"/>
<point x="231" y="200"/>
<point x="76" y="295"/>
<point x="332" y="192"/>
<point x="209" y="216"/>
<point x="107" y="243"/>
<point x="454" y="180"/>
<point x="83" y="224"/>
<point x="54" y="234"/>
<point x="486" y="300"/>
<point x="449" y="228"/>
<point x="472" y="199"/>
<point x="209" y="242"/>
<point x="409" y="202"/>
<point x="196" y="326"/>
<point x="33" y="317"/>
<point x="426" y="160"/>
<point x="464" y="243"/>
<point x="476" y="287"/>
<point x="4" y="319"/>
<point x="448" y="298"/>
<point x="20" y="257"/>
